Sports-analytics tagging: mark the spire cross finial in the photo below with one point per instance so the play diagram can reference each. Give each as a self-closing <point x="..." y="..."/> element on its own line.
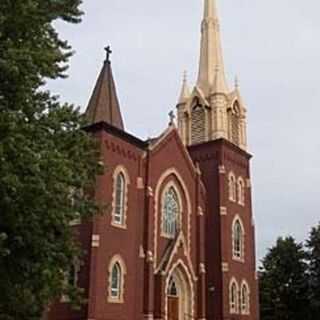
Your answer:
<point x="172" y="117"/>
<point x="236" y="82"/>
<point x="108" y="53"/>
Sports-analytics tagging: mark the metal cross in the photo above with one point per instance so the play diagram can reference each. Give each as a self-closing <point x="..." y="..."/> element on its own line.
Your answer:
<point x="172" y="117"/>
<point x="108" y="53"/>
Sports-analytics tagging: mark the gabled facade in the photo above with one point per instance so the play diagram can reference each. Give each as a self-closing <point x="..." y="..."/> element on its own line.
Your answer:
<point x="176" y="241"/>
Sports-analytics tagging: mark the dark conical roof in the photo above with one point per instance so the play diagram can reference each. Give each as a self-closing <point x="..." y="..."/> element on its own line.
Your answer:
<point x="104" y="104"/>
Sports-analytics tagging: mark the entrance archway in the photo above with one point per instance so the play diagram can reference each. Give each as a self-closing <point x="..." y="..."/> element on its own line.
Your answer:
<point x="178" y="296"/>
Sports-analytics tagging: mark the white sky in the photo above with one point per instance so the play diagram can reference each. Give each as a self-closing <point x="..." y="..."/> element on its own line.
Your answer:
<point x="273" y="46"/>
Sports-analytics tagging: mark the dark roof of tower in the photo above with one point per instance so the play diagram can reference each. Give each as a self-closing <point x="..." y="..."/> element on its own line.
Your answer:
<point x="104" y="104"/>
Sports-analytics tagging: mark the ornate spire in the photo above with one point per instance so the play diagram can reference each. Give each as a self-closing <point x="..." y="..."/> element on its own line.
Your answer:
<point x="185" y="91"/>
<point x="104" y="103"/>
<point x="211" y="51"/>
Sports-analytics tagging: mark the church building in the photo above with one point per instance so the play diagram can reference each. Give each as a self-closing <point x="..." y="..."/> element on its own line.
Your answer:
<point x="177" y="239"/>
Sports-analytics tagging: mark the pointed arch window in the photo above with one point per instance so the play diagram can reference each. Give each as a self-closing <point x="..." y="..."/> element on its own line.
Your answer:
<point x="234" y="297"/>
<point x="116" y="281"/>
<point x="241" y="191"/>
<point x="237" y="240"/>
<point x="170" y="213"/>
<point x="245" y="298"/>
<point x="232" y="187"/>
<point x="120" y="194"/>
<point x="117" y="271"/>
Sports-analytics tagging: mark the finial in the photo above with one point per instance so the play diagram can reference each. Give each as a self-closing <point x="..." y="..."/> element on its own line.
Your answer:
<point x="108" y="53"/>
<point x="236" y="82"/>
<point x="185" y="76"/>
<point x="172" y="117"/>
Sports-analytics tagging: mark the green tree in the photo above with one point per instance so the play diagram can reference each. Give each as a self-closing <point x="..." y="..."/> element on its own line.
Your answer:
<point x="283" y="282"/>
<point x="313" y="245"/>
<point x="44" y="156"/>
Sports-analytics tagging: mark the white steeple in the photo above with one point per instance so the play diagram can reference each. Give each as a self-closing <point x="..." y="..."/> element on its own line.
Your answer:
<point x="211" y="58"/>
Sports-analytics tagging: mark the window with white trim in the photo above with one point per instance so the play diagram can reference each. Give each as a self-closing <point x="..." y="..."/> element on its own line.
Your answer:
<point x="170" y="213"/>
<point x="120" y="194"/>
<point x="245" y="298"/>
<point x="234" y="297"/>
<point x="116" y="280"/>
<point x="241" y="191"/>
<point x="237" y="240"/>
<point x="232" y="187"/>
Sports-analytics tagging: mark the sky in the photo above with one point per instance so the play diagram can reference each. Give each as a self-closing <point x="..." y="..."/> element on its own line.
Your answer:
<point x="272" y="46"/>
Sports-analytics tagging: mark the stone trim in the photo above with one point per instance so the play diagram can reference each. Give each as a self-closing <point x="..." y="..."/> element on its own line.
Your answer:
<point x="140" y="185"/>
<point x="95" y="241"/>
<point x="225" y="267"/>
<point x="223" y="211"/>
<point x="222" y="169"/>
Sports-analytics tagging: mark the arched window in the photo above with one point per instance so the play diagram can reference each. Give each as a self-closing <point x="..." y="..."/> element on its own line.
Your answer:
<point x="237" y="240"/>
<point x="120" y="198"/>
<point x="245" y="298"/>
<point x="170" y="213"/>
<point x="116" y="281"/>
<point x="241" y="191"/>
<point x="232" y="187"/>
<point x="117" y="271"/>
<point x="234" y="297"/>
<point x="120" y="193"/>
<point x="198" y="124"/>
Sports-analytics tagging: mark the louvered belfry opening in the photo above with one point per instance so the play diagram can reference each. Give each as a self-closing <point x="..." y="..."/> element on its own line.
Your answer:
<point x="198" y="124"/>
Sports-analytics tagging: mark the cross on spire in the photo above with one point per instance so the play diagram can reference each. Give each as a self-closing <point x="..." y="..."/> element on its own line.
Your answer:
<point x="172" y="117"/>
<point x="108" y="53"/>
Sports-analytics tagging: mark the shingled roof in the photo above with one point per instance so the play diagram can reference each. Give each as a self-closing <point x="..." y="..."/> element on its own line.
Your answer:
<point x="104" y="104"/>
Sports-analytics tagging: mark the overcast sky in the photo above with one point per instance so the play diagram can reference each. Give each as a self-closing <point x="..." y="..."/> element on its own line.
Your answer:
<point x="274" y="48"/>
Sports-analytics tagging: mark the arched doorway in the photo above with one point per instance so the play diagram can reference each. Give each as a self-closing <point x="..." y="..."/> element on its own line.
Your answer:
<point x="178" y="296"/>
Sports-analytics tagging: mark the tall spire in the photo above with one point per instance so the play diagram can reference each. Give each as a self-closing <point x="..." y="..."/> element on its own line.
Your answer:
<point x="104" y="104"/>
<point x="211" y="58"/>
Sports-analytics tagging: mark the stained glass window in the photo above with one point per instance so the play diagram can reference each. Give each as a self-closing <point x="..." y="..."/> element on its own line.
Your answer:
<point x="170" y="213"/>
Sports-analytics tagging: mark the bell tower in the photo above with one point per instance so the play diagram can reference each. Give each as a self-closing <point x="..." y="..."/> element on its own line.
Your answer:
<point x="212" y="125"/>
<point x="211" y="110"/>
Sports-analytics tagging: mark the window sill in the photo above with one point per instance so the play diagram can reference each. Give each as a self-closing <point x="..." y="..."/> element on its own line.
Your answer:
<point x="115" y="301"/>
<point x="119" y="226"/>
<point x="236" y="259"/>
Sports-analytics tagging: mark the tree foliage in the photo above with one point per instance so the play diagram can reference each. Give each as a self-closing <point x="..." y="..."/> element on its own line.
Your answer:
<point x="313" y="246"/>
<point x="44" y="155"/>
<point x="283" y="282"/>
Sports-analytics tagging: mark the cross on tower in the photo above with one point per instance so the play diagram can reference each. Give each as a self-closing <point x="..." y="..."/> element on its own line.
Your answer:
<point x="172" y="117"/>
<point x="108" y="53"/>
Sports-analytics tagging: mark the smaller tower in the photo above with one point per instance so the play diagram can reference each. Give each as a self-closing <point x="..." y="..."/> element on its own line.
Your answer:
<point x="104" y="104"/>
<point x="211" y="111"/>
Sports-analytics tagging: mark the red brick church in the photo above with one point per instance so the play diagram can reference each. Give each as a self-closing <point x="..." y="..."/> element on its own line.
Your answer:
<point x="178" y="239"/>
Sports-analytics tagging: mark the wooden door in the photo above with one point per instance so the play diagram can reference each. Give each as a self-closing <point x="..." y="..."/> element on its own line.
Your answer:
<point x="173" y="308"/>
